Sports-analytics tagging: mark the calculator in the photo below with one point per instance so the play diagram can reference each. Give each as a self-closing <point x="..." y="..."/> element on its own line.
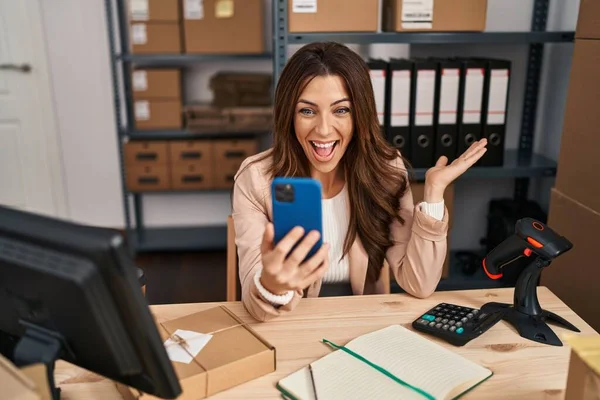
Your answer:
<point x="456" y="324"/>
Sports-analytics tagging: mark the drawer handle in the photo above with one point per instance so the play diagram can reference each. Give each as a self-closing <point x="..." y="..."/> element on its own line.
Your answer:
<point x="234" y="153"/>
<point x="149" y="180"/>
<point x="187" y="155"/>
<point x="192" y="178"/>
<point x="146" y="156"/>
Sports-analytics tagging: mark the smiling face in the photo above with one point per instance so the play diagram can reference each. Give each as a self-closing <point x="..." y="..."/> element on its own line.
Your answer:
<point x="323" y="122"/>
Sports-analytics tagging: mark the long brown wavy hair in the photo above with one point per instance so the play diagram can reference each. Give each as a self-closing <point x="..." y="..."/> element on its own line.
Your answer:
<point x="375" y="186"/>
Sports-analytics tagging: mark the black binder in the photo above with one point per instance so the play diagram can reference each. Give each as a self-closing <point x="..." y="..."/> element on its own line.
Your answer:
<point x="472" y="81"/>
<point x="446" y="108"/>
<point x="379" y="79"/>
<point x="422" y="129"/>
<point x="400" y="105"/>
<point x="495" y="107"/>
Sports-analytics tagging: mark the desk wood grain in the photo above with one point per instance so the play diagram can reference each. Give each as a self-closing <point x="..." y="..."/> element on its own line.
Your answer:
<point x="522" y="369"/>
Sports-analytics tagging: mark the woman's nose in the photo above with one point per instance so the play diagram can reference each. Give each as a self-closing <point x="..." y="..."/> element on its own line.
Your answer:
<point x="324" y="127"/>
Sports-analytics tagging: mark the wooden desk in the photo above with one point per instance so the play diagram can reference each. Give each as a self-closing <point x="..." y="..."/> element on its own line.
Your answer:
<point x="522" y="368"/>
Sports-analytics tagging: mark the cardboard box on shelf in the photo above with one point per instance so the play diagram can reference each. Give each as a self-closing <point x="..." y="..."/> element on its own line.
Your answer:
<point x="146" y="152"/>
<point x="234" y="354"/>
<point x="418" y="190"/>
<point x="154" y="10"/>
<point x="578" y="164"/>
<point x="155" y="37"/>
<point x="574" y="276"/>
<point x="191" y="176"/>
<point x="208" y="118"/>
<point x="224" y="26"/>
<point x="228" y="156"/>
<point x="186" y="152"/>
<point x="238" y="89"/>
<point x="158" y="114"/>
<point x="583" y="378"/>
<point x="588" y="20"/>
<point x="23" y="383"/>
<point x="147" y="177"/>
<point x="333" y="16"/>
<point x="151" y="83"/>
<point x="434" y="16"/>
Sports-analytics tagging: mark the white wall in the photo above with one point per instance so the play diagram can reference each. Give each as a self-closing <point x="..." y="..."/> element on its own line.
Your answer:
<point x="79" y="58"/>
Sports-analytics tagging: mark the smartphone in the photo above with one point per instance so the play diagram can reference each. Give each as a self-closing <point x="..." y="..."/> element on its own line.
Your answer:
<point x="297" y="202"/>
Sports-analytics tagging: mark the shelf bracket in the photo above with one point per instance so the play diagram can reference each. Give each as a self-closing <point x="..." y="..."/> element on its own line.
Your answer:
<point x="280" y="34"/>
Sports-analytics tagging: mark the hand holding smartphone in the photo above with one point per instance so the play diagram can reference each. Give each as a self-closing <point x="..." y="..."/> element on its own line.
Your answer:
<point x="293" y="253"/>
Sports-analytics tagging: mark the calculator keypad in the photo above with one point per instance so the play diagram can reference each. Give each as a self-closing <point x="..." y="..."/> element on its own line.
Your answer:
<point x="448" y="317"/>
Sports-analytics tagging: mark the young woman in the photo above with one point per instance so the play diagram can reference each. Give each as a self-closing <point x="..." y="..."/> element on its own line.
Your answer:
<point x="326" y="127"/>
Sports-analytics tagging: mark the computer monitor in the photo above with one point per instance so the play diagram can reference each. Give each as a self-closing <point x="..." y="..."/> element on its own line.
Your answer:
<point x="70" y="292"/>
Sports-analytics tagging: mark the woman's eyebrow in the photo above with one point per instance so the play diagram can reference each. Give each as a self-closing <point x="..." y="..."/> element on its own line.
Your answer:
<point x="332" y="104"/>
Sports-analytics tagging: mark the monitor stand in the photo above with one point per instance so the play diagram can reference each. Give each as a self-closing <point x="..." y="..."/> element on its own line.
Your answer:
<point x="39" y="345"/>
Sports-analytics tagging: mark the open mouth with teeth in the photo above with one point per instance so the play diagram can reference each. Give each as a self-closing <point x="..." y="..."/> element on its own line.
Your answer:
<point x="324" y="150"/>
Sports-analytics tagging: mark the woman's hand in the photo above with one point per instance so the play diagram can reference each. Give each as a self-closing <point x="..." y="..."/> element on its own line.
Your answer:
<point x="438" y="177"/>
<point x="281" y="274"/>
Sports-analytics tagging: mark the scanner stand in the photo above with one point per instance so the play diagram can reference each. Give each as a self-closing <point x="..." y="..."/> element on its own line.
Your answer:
<point x="39" y="345"/>
<point x="526" y="314"/>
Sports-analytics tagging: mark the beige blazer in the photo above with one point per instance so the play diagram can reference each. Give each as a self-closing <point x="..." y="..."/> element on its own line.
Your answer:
<point x="416" y="258"/>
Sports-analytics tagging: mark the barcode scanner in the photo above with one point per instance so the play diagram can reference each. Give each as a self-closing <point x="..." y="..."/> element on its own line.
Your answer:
<point x="532" y="239"/>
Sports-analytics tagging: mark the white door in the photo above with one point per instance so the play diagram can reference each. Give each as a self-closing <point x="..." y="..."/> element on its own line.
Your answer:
<point x="30" y="161"/>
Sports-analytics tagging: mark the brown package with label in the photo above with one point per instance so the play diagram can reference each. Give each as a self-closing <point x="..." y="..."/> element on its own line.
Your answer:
<point x="156" y="84"/>
<point x="155" y="38"/>
<point x="157" y="114"/>
<point x="235" y="354"/>
<point x="154" y="10"/>
<point x="333" y="16"/>
<point x="224" y="26"/>
<point x="228" y="157"/>
<point x="434" y="16"/>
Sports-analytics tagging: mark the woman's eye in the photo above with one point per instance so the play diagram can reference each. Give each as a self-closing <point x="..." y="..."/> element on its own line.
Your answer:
<point x="306" y="111"/>
<point x="342" y="110"/>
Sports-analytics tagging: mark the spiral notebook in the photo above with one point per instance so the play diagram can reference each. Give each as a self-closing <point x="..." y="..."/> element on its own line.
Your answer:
<point x="393" y="362"/>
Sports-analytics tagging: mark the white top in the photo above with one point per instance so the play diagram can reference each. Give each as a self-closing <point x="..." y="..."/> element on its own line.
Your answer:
<point x="335" y="227"/>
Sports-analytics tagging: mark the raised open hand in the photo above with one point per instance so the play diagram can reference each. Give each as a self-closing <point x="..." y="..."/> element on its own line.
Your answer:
<point x="438" y="177"/>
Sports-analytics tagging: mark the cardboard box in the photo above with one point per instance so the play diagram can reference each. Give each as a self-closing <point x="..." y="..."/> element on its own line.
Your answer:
<point x="229" y="155"/>
<point x="239" y="89"/>
<point x="588" y="20"/>
<point x="143" y="152"/>
<point x="156" y="84"/>
<point x="583" y="379"/>
<point x="144" y="178"/>
<point x="333" y="16"/>
<point x="224" y="26"/>
<point x="154" y="10"/>
<point x="574" y="276"/>
<point x="16" y="385"/>
<point x="418" y="190"/>
<point x="186" y="152"/>
<point x="157" y="114"/>
<point x="234" y="355"/>
<point x="155" y="38"/>
<point x="578" y="170"/>
<point x="442" y="16"/>
<point x="191" y="177"/>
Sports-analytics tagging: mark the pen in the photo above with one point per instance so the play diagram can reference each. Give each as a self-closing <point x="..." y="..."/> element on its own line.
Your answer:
<point x="312" y="379"/>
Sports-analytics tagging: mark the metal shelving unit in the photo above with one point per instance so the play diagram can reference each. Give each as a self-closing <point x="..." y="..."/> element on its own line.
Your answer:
<point x="140" y="237"/>
<point x="520" y="164"/>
